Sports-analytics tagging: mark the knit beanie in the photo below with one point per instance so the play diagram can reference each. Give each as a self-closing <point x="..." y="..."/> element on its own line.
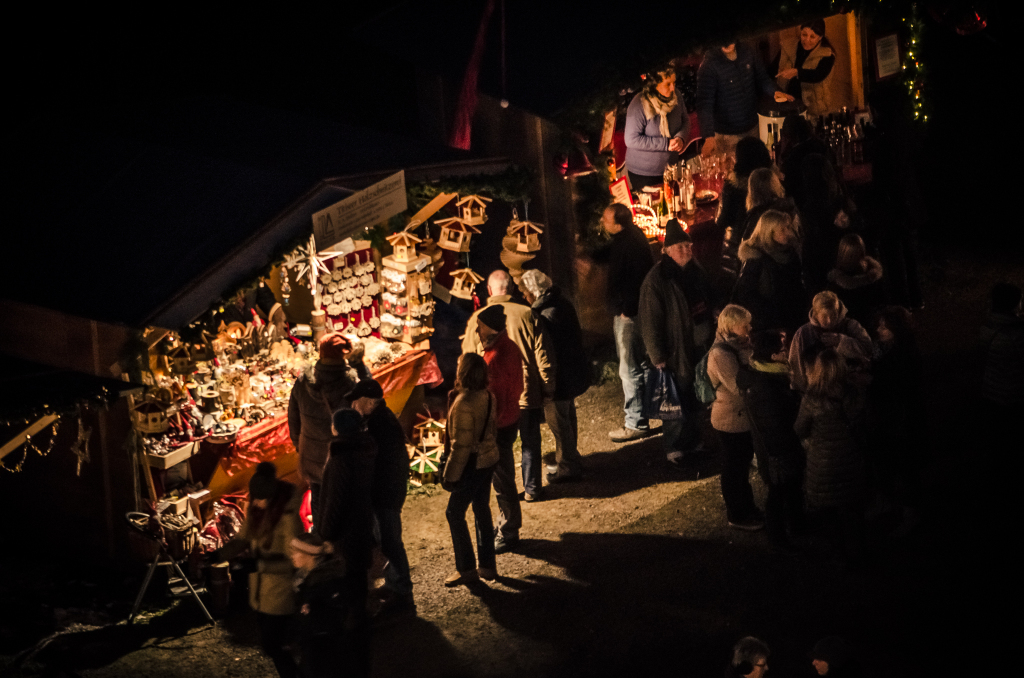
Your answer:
<point x="333" y="347"/>
<point x="367" y="388"/>
<point x="263" y="484"/>
<point x="346" y="422"/>
<point x="674" y="233"/>
<point x="493" y="316"/>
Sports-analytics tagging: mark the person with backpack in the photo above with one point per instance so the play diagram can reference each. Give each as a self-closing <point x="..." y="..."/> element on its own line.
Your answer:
<point x="728" y="355"/>
<point x="829" y="327"/>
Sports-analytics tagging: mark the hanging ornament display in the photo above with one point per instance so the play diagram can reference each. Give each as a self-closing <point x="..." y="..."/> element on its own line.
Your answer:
<point x="519" y="245"/>
<point x="463" y="282"/>
<point x="80" y="448"/>
<point x="407" y="306"/>
<point x="455" y="234"/>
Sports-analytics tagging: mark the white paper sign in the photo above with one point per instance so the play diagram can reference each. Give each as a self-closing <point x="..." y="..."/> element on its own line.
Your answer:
<point x="364" y="209"/>
<point x="887" y="56"/>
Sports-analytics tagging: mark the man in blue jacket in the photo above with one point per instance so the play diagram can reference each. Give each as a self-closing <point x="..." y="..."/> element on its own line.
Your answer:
<point x="730" y="81"/>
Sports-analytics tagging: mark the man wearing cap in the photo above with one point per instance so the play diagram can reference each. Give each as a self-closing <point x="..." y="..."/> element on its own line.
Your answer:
<point x="315" y="396"/>
<point x="387" y="491"/>
<point x="505" y="380"/>
<point x="538" y="373"/>
<point x="667" y="327"/>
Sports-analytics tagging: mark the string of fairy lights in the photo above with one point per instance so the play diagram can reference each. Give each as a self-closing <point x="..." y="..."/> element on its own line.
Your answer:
<point x="913" y="70"/>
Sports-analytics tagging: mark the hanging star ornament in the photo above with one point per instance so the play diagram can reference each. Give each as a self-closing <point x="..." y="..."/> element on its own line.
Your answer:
<point x="311" y="267"/>
<point x="80" y="448"/>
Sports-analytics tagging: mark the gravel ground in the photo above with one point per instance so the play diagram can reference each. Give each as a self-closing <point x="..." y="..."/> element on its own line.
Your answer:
<point x="633" y="571"/>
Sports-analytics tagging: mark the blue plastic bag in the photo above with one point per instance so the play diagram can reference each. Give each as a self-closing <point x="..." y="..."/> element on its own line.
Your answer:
<point x="661" y="400"/>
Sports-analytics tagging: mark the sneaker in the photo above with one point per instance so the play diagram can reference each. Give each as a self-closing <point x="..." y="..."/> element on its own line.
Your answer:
<point x="503" y="544"/>
<point x="461" y="578"/>
<point x="751" y="524"/>
<point x="488" y="573"/>
<point x="626" y="434"/>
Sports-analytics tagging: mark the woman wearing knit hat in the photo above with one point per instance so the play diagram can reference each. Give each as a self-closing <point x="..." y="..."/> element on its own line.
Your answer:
<point x="314" y="397"/>
<point x="271" y="523"/>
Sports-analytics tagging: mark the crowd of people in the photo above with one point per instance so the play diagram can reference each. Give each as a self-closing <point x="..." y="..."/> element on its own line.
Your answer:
<point x="787" y="355"/>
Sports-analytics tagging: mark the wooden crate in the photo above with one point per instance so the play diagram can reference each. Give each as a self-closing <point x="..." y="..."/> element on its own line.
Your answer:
<point x="175" y="457"/>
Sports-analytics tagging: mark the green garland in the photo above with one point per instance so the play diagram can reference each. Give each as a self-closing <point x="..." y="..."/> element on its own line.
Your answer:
<point x="511" y="185"/>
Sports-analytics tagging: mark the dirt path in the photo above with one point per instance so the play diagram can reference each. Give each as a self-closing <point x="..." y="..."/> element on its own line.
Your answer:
<point x="633" y="571"/>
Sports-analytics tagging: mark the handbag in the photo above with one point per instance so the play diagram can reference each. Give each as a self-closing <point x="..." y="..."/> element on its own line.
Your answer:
<point x="661" y="399"/>
<point x="443" y="464"/>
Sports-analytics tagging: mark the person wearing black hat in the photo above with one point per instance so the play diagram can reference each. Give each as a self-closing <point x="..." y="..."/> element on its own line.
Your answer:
<point x="271" y="523"/>
<point x="538" y="372"/>
<point x="676" y="302"/>
<point x="345" y="518"/>
<point x="387" y="491"/>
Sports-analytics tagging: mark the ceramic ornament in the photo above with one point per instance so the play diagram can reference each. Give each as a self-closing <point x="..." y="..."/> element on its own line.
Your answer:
<point x="339" y="297"/>
<point x="325" y="277"/>
<point x="365" y="279"/>
<point x="345" y="307"/>
<point x="374" y="320"/>
<point x="334" y="310"/>
<point x="332" y="287"/>
<point x="346" y="272"/>
<point x="336" y="274"/>
<point x="366" y="300"/>
<point x="373" y="289"/>
<point x="364" y="329"/>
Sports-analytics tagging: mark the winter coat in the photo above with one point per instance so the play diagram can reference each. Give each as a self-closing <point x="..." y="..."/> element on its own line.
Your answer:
<point x="728" y="91"/>
<point x="558" y="318"/>
<point x="847" y="336"/>
<point x="647" y="151"/>
<point x="770" y="286"/>
<point x="629" y="259"/>
<point x="728" y="411"/>
<point x="771" y="407"/>
<point x="310" y="407"/>
<point x="323" y="590"/>
<point x="471" y="429"/>
<point x="812" y="74"/>
<point x="270" y="586"/>
<point x="824" y="226"/>
<point x="831" y="430"/>
<point x="863" y="293"/>
<point x="665" y="324"/>
<point x="504" y="378"/>
<point x="391" y="465"/>
<point x="731" y="219"/>
<point x="345" y="516"/>
<point x="538" y="370"/>
<point x="792" y="179"/>
<point x="1002" y="339"/>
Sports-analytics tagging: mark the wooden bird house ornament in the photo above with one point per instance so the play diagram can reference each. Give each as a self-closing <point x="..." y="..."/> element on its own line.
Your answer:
<point x="463" y="282"/>
<point x="527" y="235"/>
<point x="473" y="210"/>
<point x="455" y="234"/>
<point x="404" y="245"/>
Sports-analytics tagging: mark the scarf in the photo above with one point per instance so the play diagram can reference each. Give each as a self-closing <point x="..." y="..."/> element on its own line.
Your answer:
<point x="655" y="105"/>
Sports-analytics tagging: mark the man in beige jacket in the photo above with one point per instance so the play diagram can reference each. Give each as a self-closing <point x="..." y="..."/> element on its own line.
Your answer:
<point x="538" y="372"/>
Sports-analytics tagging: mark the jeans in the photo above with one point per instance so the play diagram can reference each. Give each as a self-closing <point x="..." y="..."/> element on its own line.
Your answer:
<point x="473" y="488"/>
<point x="510" y="514"/>
<point x="633" y="369"/>
<point x="396" y="573"/>
<point x="737" y="453"/>
<point x="561" y="418"/>
<point x="529" y="433"/>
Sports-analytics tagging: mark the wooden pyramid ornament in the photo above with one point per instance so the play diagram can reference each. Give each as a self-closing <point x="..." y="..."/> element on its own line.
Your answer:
<point x="455" y="234"/>
<point x="473" y="210"/>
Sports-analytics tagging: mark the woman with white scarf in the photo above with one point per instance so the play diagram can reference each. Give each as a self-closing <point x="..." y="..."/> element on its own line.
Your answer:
<point x="657" y="127"/>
